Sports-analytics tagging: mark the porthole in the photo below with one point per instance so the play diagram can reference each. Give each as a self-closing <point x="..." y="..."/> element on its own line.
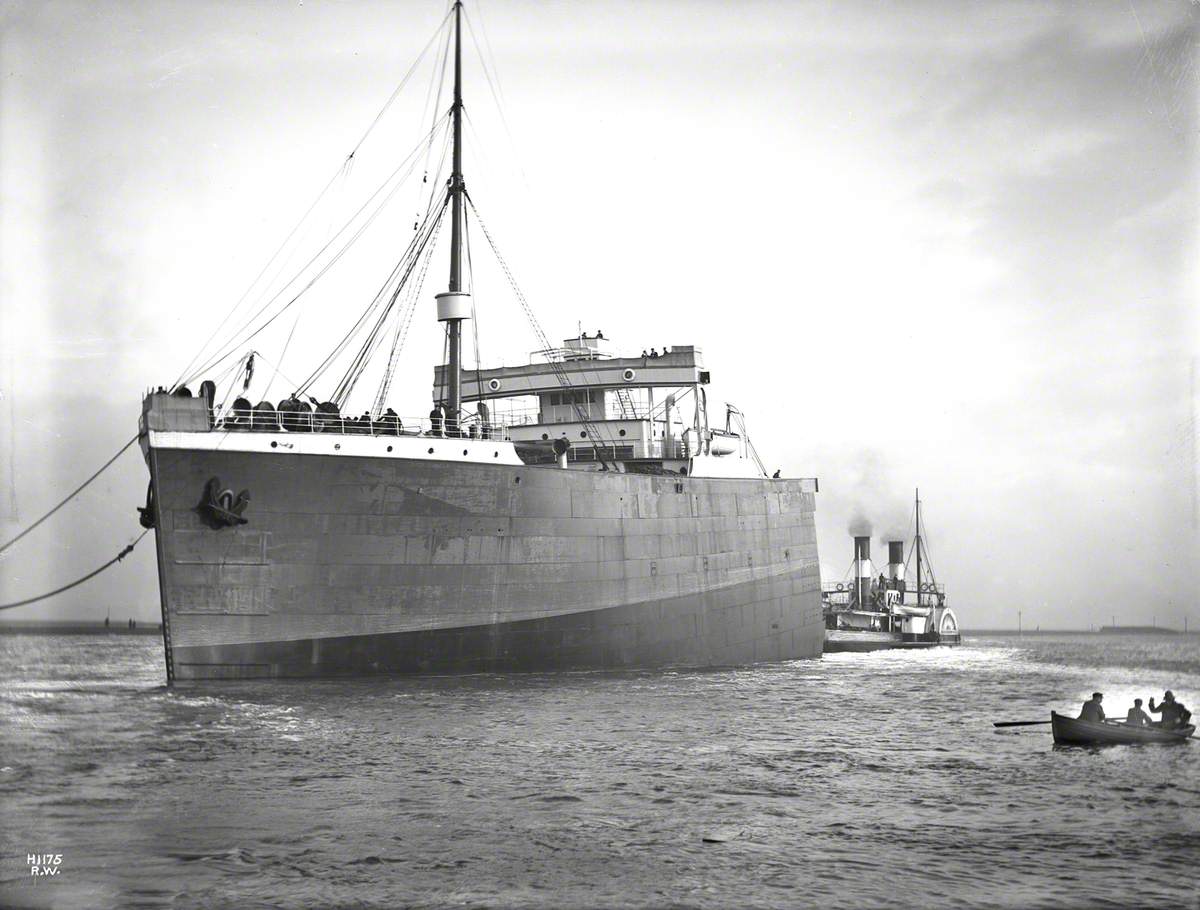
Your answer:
<point x="389" y="448"/>
<point x="494" y="385"/>
<point x="495" y="454"/>
<point x="545" y="436"/>
<point x="629" y="375"/>
<point x="583" y="435"/>
<point x="464" y="451"/>
<point x="431" y="451"/>
<point x="620" y="432"/>
<point x="337" y="446"/>
<point x="274" y="444"/>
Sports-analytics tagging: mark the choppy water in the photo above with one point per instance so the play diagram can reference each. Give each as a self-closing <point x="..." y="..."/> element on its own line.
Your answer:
<point x="853" y="781"/>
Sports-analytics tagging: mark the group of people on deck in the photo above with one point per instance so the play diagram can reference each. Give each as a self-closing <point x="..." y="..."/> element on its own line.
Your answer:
<point x="1174" y="714"/>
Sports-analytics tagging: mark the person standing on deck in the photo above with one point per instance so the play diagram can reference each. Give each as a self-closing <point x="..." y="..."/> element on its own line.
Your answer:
<point x="1136" y="716"/>
<point x="1174" y="714"/>
<point x="1092" y="710"/>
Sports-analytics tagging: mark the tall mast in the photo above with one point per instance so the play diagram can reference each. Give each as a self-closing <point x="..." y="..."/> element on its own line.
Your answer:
<point x="456" y="177"/>
<point x="918" y="546"/>
<point x="455" y="305"/>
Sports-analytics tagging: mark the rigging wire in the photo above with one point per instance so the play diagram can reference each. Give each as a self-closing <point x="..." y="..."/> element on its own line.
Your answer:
<point x="926" y="560"/>
<point x="403" y="323"/>
<point x="438" y="79"/>
<point x="342" y="170"/>
<point x="403" y="82"/>
<point x="494" y="85"/>
<point x="426" y="141"/>
<point x="104" y="467"/>
<point x="741" y="419"/>
<point x="563" y="379"/>
<point x="913" y="549"/>
<point x="77" y="582"/>
<point x="375" y="337"/>
<point x="282" y="355"/>
<point x="415" y="246"/>
<point x="278" y="368"/>
<point x="408" y="310"/>
<point x="285" y="264"/>
<point x="474" y="317"/>
<point x="186" y="375"/>
<point x="234" y="374"/>
<point x="230" y="347"/>
<point x="442" y="390"/>
<point x="400" y="276"/>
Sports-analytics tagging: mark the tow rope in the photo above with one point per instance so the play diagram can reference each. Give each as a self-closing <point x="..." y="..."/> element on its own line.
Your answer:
<point x="79" y="581"/>
<point x="68" y="498"/>
<point x="71" y="495"/>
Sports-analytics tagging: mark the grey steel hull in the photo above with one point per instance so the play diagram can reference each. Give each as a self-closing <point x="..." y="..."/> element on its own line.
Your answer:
<point x="360" y="565"/>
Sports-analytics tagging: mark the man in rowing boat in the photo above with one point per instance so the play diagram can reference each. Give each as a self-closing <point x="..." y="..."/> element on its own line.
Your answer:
<point x="1092" y="710"/>
<point x="1174" y="714"/>
<point x="1136" y="716"/>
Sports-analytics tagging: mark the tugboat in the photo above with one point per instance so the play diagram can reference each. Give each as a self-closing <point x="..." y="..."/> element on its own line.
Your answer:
<point x="867" y="613"/>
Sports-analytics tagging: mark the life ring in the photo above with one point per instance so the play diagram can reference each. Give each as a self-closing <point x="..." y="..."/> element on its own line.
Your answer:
<point x="494" y="385"/>
<point x="926" y="587"/>
<point x="628" y="375"/>
<point x="841" y="587"/>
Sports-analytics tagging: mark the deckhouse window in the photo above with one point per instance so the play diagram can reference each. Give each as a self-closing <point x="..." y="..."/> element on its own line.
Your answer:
<point x="581" y="397"/>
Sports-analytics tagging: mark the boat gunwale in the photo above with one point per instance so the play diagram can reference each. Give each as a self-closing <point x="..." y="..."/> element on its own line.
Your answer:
<point x="1075" y="730"/>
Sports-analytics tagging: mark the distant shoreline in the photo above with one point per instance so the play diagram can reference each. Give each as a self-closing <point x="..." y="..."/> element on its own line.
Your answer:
<point x="1103" y="630"/>
<point x="97" y="627"/>
<point x="76" y="627"/>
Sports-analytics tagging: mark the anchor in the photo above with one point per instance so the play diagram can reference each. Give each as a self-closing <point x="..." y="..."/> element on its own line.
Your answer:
<point x="220" y="508"/>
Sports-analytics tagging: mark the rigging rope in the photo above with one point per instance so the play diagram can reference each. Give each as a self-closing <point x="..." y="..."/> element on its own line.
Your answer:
<point x="403" y="323"/>
<point x="79" y="581"/>
<point x="563" y="379"/>
<point x="438" y="78"/>
<point x="342" y="170"/>
<point x="741" y="419"/>
<point x="403" y="82"/>
<point x="72" y="494"/>
<point x="399" y="274"/>
<point x="394" y="277"/>
<point x="493" y="85"/>
<point x="229" y="348"/>
<point x="474" y="317"/>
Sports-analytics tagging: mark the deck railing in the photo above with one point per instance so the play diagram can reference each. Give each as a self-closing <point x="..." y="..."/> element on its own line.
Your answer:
<point x="263" y="421"/>
<point x="841" y="594"/>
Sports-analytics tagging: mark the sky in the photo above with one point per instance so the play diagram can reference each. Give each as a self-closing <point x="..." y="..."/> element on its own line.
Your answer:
<point x="942" y="245"/>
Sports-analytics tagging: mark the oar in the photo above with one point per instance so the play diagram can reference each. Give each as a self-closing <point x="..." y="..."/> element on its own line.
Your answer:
<point x="1019" y="723"/>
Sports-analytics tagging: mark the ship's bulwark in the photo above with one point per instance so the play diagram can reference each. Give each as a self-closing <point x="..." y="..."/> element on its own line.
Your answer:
<point x="352" y="565"/>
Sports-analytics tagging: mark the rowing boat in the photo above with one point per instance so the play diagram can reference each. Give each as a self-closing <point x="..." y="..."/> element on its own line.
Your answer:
<point x="1072" y="731"/>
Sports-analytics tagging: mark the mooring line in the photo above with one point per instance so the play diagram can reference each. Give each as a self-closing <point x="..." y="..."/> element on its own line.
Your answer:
<point x="79" y="581"/>
<point x="71" y="495"/>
